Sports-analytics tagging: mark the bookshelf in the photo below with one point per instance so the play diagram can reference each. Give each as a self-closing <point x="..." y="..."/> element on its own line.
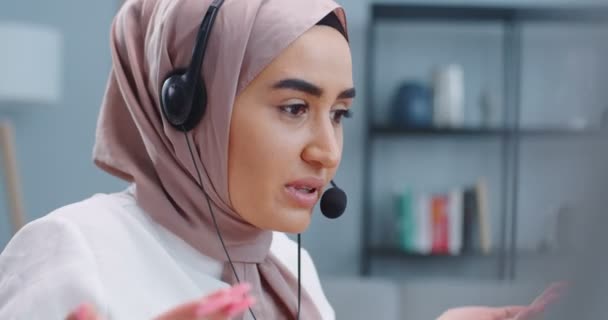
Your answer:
<point x="394" y="252"/>
<point x="379" y="130"/>
<point x="507" y="135"/>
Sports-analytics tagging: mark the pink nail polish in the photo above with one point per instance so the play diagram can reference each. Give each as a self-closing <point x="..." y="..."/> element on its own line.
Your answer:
<point x="240" y="289"/>
<point x="233" y="312"/>
<point x="82" y="312"/>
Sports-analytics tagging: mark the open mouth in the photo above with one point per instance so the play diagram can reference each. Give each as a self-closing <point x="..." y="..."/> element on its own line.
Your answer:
<point x="302" y="196"/>
<point x="303" y="189"/>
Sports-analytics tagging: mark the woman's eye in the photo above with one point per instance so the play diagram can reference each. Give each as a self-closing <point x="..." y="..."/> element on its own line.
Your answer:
<point x="338" y="115"/>
<point x="294" y="110"/>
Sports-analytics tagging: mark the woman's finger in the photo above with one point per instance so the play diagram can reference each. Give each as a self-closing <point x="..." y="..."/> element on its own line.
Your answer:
<point x="239" y="308"/>
<point x="191" y="310"/>
<point x="549" y="296"/>
<point x="552" y="293"/>
<point x="84" y="312"/>
<point x="530" y="313"/>
<point x="509" y="312"/>
<point x="237" y="290"/>
<point x="208" y="306"/>
<point x="538" y="306"/>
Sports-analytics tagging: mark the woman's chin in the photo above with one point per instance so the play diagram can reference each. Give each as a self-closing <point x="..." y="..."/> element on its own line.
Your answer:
<point x="297" y="222"/>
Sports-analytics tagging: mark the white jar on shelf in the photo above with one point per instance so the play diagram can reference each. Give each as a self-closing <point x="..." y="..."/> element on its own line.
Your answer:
<point x="448" y="96"/>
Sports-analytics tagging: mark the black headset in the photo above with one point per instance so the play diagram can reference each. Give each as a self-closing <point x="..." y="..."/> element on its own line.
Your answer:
<point x="183" y="97"/>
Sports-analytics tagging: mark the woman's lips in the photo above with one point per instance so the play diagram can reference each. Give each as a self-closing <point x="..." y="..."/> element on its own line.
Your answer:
<point x="304" y="198"/>
<point x="304" y="192"/>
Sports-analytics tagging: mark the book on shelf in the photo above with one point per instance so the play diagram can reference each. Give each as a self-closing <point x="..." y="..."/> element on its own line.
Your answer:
<point x="447" y="223"/>
<point x="455" y="221"/>
<point x="439" y="221"/>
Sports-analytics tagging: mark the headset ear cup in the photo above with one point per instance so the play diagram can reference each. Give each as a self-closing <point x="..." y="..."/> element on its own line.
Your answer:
<point x="181" y="112"/>
<point x="174" y="99"/>
<point x="183" y="96"/>
<point x="198" y="108"/>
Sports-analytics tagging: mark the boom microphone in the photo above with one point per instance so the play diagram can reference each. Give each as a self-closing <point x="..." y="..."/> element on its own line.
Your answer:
<point x="333" y="202"/>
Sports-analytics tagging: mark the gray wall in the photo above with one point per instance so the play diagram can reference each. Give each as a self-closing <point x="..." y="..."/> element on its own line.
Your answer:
<point x="55" y="143"/>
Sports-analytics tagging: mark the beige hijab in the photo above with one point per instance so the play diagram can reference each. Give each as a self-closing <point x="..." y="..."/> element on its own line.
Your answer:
<point x="134" y="142"/>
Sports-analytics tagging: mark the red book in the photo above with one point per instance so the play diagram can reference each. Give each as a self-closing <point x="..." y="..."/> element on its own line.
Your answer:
<point x="440" y="221"/>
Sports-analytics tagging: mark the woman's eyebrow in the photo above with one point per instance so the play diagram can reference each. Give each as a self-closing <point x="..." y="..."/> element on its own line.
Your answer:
<point x="309" y="88"/>
<point x="347" y="94"/>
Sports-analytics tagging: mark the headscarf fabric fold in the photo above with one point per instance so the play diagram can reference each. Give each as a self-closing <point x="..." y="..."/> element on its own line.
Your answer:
<point x="151" y="38"/>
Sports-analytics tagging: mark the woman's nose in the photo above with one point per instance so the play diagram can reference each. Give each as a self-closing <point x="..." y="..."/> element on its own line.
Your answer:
<point x="324" y="149"/>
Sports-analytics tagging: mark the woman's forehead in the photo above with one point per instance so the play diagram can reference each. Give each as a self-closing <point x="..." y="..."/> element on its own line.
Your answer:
<point x="319" y="56"/>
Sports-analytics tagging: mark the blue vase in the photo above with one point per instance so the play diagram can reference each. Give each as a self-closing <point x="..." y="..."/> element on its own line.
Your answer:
<point x="412" y="106"/>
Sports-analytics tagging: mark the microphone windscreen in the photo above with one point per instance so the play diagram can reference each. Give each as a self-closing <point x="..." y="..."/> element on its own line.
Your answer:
<point x="333" y="203"/>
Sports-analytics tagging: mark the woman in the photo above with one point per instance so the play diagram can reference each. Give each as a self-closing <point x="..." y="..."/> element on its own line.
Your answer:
<point x="278" y="76"/>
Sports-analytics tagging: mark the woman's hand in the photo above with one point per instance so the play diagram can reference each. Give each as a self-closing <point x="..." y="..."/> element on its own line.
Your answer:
<point x="487" y="313"/>
<point x="221" y="305"/>
<point x="507" y="313"/>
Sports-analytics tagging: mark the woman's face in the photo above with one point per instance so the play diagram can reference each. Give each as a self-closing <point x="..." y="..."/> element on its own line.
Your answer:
<point x="286" y="132"/>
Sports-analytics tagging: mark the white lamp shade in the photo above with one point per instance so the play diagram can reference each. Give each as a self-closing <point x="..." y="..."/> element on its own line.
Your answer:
<point x="30" y="64"/>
